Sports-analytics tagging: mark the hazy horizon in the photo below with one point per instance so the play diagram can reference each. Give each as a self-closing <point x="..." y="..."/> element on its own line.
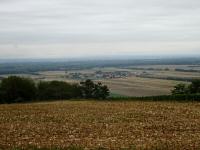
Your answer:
<point x="47" y="29"/>
<point x="102" y="58"/>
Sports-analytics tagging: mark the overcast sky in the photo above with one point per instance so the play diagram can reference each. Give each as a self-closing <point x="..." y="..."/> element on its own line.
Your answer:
<point x="83" y="28"/>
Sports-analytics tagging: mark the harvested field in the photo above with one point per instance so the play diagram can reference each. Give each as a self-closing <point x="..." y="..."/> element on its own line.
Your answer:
<point x="92" y="124"/>
<point x="136" y="86"/>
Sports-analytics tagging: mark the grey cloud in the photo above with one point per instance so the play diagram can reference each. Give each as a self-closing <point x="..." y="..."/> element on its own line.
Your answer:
<point x="36" y="22"/>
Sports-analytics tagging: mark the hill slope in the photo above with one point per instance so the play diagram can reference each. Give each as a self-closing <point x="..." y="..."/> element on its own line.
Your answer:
<point x="94" y="124"/>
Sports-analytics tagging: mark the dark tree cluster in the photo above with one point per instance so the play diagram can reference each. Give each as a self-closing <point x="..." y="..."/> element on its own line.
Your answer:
<point x="18" y="89"/>
<point x="193" y="88"/>
<point x="91" y="90"/>
<point x="57" y="90"/>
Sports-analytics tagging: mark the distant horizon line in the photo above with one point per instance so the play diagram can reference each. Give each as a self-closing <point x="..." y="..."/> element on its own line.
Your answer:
<point x="97" y="58"/>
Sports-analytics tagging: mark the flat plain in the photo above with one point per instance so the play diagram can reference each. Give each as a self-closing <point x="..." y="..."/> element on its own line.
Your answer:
<point x="147" y="80"/>
<point x="137" y="86"/>
<point x="93" y="124"/>
<point x="124" y="78"/>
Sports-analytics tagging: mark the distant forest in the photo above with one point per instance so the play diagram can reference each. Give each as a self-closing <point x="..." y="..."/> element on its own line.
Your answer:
<point x="19" y="67"/>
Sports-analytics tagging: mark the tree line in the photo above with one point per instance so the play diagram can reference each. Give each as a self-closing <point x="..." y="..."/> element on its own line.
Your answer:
<point x="15" y="89"/>
<point x="184" y="89"/>
<point x="182" y="97"/>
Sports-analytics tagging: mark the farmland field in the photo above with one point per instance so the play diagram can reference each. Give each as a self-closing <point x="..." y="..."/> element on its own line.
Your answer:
<point x="141" y="80"/>
<point x="136" y="86"/>
<point x="93" y="124"/>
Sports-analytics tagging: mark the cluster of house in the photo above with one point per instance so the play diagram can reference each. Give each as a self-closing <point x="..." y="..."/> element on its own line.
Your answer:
<point x="100" y="75"/>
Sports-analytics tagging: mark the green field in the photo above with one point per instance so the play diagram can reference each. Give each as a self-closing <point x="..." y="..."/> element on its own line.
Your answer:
<point x="94" y="124"/>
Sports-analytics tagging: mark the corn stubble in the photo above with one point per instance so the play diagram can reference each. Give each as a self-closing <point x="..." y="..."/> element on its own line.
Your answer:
<point x="92" y="124"/>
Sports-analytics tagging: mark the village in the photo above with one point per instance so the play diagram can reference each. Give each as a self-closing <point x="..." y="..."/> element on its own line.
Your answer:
<point x="99" y="75"/>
